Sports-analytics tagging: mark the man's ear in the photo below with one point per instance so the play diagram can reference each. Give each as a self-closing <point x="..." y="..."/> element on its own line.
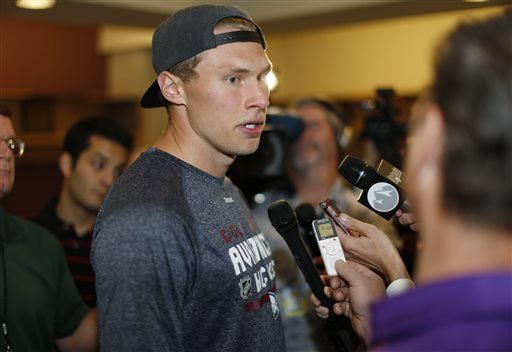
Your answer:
<point x="433" y="135"/>
<point x="65" y="164"/>
<point x="427" y="159"/>
<point x="170" y="86"/>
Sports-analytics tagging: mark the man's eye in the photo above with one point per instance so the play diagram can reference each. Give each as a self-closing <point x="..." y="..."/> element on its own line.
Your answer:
<point x="98" y="165"/>
<point x="262" y="77"/>
<point x="233" y="80"/>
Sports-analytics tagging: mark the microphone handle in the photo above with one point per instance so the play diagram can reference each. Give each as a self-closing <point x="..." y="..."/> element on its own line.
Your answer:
<point x="338" y="328"/>
<point x="303" y="259"/>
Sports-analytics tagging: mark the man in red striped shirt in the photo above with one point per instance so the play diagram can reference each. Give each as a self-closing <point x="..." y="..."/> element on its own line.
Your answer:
<point x="93" y="155"/>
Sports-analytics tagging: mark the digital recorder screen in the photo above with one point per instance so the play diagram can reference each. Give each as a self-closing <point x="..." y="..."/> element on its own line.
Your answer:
<point x="325" y="230"/>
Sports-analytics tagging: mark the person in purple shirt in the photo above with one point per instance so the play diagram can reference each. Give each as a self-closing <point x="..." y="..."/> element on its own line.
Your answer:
<point x="458" y="164"/>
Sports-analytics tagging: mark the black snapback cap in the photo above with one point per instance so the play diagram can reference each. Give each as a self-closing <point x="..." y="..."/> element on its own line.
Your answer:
<point x="189" y="32"/>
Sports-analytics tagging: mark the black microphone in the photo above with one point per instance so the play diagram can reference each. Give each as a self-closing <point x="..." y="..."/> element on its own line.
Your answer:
<point x="381" y="189"/>
<point x="305" y="215"/>
<point x="338" y="328"/>
<point x="284" y="220"/>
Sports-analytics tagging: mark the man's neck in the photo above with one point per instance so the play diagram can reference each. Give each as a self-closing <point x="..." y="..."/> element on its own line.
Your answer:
<point x="71" y="213"/>
<point x="193" y="152"/>
<point x="460" y="248"/>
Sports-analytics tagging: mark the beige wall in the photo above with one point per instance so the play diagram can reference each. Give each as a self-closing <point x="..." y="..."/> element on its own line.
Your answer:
<point x="351" y="61"/>
<point x="129" y="75"/>
<point x="345" y="61"/>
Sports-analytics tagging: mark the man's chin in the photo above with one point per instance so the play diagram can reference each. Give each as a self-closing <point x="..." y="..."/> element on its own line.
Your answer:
<point x="92" y="208"/>
<point x="247" y="151"/>
<point x="5" y="188"/>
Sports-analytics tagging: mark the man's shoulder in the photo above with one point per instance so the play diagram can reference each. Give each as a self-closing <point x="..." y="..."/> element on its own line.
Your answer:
<point x="149" y="173"/>
<point x="148" y="189"/>
<point x="33" y="232"/>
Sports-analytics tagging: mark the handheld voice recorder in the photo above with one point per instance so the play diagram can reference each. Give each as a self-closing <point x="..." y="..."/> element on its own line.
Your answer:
<point x="328" y="243"/>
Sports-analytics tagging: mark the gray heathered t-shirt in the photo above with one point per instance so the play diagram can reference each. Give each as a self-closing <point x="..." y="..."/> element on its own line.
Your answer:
<point x="180" y="264"/>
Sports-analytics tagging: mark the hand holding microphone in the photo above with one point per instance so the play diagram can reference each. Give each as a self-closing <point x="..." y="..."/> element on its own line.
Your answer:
<point x="407" y="219"/>
<point x="284" y="220"/>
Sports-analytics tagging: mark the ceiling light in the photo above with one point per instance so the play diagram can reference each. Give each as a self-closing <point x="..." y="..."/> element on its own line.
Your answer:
<point x="476" y="0"/>
<point x="35" y="4"/>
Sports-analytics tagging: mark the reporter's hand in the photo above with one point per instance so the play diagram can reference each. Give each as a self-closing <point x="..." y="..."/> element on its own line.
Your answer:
<point x="372" y="248"/>
<point x="335" y="289"/>
<point x="321" y="311"/>
<point x="362" y="288"/>
<point x="407" y="219"/>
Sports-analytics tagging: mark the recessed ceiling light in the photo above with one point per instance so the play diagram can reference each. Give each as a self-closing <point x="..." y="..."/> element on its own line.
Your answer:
<point x="476" y="0"/>
<point x="35" y="4"/>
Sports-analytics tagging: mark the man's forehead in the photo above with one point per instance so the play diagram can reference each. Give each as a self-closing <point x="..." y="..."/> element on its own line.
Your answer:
<point x="108" y="155"/>
<point x="97" y="142"/>
<point x="311" y="111"/>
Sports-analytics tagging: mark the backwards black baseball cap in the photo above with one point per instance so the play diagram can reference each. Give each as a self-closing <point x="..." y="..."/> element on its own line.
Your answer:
<point x="189" y="32"/>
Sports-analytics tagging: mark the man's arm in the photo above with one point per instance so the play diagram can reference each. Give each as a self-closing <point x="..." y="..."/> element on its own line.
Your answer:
<point x="143" y="274"/>
<point x="85" y="337"/>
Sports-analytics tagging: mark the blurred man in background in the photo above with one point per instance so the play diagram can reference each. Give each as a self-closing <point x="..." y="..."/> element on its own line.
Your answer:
<point x="40" y="306"/>
<point x="312" y="168"/>
<point x="459" y="163"/>
<point x="314" y="161"/>
<point x="94" y="153"/>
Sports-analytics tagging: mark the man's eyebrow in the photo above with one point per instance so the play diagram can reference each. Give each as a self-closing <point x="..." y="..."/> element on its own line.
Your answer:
<point x="100" y="154"/>
<point x="232" y="70"/>
<point x="242" y="70"/>
<point x="267" y="69"/>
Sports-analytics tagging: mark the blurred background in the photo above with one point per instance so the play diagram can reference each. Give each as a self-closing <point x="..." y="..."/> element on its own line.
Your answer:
<point x="84" y="57"/>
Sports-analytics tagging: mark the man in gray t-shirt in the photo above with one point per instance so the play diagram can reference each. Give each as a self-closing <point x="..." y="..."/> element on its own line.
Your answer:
<point x="180" y="264"/>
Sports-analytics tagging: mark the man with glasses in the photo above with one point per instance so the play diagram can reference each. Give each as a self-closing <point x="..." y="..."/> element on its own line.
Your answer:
<point x="39" y="304"/>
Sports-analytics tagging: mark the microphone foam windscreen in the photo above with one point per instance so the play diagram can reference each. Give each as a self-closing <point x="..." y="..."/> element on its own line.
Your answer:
<point x="280" y="213"/>
<point x="350" y="168"/>
<point x="305" y="215"/>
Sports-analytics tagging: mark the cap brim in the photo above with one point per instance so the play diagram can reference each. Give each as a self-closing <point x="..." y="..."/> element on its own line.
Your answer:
<point x="151" y="98"/>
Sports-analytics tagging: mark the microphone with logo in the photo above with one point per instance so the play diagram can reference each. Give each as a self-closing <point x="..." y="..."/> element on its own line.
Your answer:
<point x="381" y="189"/>
<point x="284" y="220"/>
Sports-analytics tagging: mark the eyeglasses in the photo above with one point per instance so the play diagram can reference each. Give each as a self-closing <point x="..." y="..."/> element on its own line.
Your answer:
<point x="17" y="146"/>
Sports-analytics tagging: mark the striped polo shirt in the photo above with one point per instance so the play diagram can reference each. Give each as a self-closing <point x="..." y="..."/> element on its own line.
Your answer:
<point x="77" y="249"/>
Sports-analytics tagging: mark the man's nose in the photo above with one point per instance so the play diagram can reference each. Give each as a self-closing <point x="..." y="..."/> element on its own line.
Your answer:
<point x="260" y="95"/>
<point x="108" y="177"/>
